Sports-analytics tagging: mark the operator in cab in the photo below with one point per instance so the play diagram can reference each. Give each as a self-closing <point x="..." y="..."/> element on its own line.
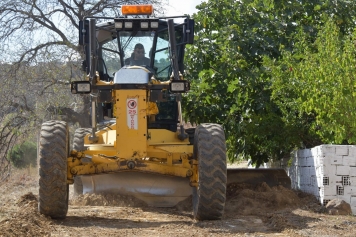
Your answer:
<point x="138" y="57"/>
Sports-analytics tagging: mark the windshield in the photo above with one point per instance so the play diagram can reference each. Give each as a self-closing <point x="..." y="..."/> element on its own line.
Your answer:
<point x="110" y="57"/>
<point x="136" y="50"/>
<point x="162" y="62"/>
<point x="136" y="47"/>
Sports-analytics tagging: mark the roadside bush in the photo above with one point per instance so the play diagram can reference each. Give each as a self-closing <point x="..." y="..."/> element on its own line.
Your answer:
<point x="22" y="155"/>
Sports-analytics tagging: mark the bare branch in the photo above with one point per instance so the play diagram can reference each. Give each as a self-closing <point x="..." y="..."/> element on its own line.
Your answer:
<point x="39" y="44"/>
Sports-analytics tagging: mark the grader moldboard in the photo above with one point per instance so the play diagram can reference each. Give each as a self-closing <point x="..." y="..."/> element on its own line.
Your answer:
<point x="137" y="144"/>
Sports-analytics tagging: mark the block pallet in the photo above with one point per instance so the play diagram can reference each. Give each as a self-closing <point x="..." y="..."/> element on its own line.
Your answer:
<point x="327" y="172"/>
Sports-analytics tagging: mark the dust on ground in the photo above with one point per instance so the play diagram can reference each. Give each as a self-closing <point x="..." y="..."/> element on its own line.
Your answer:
<point x="249" y="211"/>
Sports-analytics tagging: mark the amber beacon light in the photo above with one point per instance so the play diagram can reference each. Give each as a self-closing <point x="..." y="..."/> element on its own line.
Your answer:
<point x="137" y="9"/>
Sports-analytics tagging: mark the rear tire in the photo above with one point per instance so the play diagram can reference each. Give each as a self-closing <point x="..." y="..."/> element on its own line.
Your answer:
<point x="78" y="145"/>
<point x="210" y="151"/>
<point x="78" y="139"/>
<point x="53" y="154"/>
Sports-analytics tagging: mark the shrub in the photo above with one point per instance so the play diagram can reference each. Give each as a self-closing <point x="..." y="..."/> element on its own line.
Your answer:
<point x="23" y="155"/>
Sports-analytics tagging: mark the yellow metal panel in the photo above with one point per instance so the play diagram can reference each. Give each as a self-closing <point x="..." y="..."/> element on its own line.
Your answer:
<point x="163" y="136"/>
<point x="109" y="137"/>
<point x="106" y="137"/>
<point x="152" y="108"/>
<point x="131" y="123"/>
<point x="172" y="149"/>
<point x="141" y="167"/>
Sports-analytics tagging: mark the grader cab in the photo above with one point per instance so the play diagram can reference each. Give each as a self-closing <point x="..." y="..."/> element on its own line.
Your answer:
<point x="137" y="144"/>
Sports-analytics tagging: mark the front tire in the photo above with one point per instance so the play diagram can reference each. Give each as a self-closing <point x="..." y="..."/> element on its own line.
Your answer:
<point x="210" y="151"/>
<point x="53" y="154"/>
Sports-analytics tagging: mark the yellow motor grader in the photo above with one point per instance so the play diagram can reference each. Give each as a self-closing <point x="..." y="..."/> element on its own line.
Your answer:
<point x="137" y="143"/>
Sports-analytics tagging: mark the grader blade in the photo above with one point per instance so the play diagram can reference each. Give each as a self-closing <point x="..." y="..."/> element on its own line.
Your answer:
<point x="155" y="190"/>
<point x="273" y="177"/>
<point x="166" y="191"/>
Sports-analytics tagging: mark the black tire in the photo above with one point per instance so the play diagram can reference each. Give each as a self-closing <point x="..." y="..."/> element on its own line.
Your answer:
<point x="78" y="139"/>
<point x="210" y="151"/>
<point x="53" y="154"/>
<point x="78" y="145"/>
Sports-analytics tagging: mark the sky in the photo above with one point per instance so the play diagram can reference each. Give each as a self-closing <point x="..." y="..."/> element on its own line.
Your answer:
<point x="181" y="7"/>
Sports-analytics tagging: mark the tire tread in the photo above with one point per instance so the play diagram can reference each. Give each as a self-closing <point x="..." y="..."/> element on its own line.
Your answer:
<point x="53" y="154"/>
<point x="210" y="151"/>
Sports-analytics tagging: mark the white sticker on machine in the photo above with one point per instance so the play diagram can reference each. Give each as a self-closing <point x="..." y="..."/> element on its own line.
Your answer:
<point x="131" y="105"/>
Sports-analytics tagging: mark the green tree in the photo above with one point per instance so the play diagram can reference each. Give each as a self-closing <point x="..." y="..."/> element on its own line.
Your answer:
<point x="23" y="155"/>
<point x="319" y="80"/>
<point x="231" y="86"/>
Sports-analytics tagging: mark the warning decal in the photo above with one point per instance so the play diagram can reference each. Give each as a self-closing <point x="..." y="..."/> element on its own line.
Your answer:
<point x="132" y="122"/>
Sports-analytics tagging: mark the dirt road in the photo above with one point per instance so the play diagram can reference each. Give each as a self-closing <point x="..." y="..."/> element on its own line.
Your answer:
<point x="250" y="211"/>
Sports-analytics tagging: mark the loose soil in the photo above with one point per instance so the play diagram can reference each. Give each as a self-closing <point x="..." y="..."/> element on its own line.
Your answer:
<point x="249" y="211"/>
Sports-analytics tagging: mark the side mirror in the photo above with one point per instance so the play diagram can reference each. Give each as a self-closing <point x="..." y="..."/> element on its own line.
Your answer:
<point x="189" y="30"/>
<point x="83" y="32"/>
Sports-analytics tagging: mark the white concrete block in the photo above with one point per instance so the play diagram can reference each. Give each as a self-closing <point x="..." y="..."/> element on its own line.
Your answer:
<point x="305" y="180"/>
<point x="302" y="161"/>
<point x="341" y="150"/>
<point x="336" y="160"/>
<point x="327" y="149"/>
<point x="349" y="161"/>
<point x="312" y="171"/>
<point x="328" y="156"/>
<point x="353" y="201"/>
<point x="334" y="180"/>
<point x="352" y="151"/>
<point x="328" y="190"/>
<point x="319" y="182"/>
<point x="353" y="172"/>
<point x="328" y="170"/>
<point x="325" y="161"/>
<point x="307" y="153"/>
<point x="350" y="190"/>
<point x="315" y="151"/>
<point x="353" y="209"/>
<point x="310" y="161"/>
<point x="353" y="181"/>
<point x="342" y="170"/>
<point x="320" y="160"/>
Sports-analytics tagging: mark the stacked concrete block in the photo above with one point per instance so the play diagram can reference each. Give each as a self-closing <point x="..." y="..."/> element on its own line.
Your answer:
<point x="327" y="172"/>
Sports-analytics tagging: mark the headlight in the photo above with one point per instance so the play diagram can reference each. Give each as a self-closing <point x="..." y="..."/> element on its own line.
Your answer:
<point x="80" y="87"/>
<point x="179" y="86"/>
<point x="154" y="24"/>
<point x="128" y="24"/>
<point x="118" y="24"/>
<point x="144" y="24"/>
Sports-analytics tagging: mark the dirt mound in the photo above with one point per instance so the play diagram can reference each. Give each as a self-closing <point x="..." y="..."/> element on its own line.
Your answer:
<point x="185" y="205"/>
<point x="242" y="199"/>
<point x="106" y="199"/>
<point x="261" y="200"/>
<point x="27" y="221"/>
